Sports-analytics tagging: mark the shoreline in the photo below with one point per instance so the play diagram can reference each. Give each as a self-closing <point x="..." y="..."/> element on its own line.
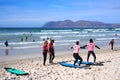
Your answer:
<point x="13" y="57"/>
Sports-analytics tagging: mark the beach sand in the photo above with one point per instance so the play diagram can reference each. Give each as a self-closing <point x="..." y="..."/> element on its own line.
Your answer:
<point x="107" y="67"/>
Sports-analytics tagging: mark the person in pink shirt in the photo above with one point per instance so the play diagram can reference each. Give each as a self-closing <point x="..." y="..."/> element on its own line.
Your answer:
<point x="90" y="47"/>
<point x="76" y="53"/>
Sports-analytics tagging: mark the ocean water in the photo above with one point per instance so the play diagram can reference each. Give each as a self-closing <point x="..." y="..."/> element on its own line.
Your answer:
<point x="30" y="40"/>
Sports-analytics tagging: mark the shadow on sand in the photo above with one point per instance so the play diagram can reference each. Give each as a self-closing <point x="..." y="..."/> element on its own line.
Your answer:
<point x="99" y="63"/>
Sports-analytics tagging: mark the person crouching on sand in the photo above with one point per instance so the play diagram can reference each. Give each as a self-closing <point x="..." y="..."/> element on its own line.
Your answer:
<point x="45" y="51"/>
<point x="76" y="53"/>
<point x="91" y="46"/>
<point x="51" y="49"/>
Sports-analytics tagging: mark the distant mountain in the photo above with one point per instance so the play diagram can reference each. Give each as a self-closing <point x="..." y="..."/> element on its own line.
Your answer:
<point x="79" y="24"/>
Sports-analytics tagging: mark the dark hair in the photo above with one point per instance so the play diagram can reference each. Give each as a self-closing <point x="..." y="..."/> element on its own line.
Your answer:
<point x="52" y="40"/>
<point x="77" y="42"/>
<point x="91" y="40"/>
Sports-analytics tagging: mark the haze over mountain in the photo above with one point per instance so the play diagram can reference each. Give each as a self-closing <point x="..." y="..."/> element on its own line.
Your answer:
<point x="79" y="24"/>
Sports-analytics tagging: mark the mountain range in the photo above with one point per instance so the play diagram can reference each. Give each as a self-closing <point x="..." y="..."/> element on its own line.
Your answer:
<point x="79" y="24"/>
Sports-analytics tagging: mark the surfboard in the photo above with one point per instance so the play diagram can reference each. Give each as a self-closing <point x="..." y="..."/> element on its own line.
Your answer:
<point x="89" y="63"/>
<point x="15" y="71"/>
<point x="84" y="62"/>
<point x="70" y="65"/>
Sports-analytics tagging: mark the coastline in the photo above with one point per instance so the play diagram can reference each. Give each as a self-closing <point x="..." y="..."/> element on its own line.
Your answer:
<point x="107" y="67"/>
<point x="32" y="54"/>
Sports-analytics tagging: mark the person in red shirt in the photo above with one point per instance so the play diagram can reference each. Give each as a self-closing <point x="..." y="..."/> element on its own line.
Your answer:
<point x="45" y="51"/>
<point x="52" y="52"/>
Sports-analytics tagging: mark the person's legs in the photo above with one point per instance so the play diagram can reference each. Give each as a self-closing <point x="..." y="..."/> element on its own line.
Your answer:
<point x="111" y="46"/>
<point x="75" y="61"/>
<point x="75" y="56"/>
<point x="53" y="56"/>
<point x="50" y="58"/>
<point x="80" y="59"/>
<point x="88" y="56"/>
<point x="44" y="57"/>
<point x="94" y="56"/>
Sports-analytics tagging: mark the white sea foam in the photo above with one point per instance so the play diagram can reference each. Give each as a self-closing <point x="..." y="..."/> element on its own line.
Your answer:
<point x="22" y="43"/>
<point x="15" y="33"/>
<point x="105" y="38"/>
<point x="117" y="28"/>
<point x="67" y="40"/>
<point x="66" y="36"/>
<point x="63" y="38"/>
<point x="56" y="30"/>
<point x="23" y="47"/>
<point x="26" y="47"/>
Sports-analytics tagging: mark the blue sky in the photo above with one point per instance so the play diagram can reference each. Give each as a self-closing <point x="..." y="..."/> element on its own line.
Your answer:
<point x="35" y="13"/>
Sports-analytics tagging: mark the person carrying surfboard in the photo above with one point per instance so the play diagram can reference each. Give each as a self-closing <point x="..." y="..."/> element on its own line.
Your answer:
<point x="51" y="50"/>
<point x="76" y="53"/>
<point x="90" y="47"/>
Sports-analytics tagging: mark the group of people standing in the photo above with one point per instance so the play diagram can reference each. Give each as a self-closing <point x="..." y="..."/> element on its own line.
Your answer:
<point x="90" y="47"/>
<point x="49" y="48"/>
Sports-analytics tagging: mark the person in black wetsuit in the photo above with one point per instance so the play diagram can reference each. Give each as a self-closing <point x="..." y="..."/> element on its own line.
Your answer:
<point x="6" y="43"/>
<point x="6" y="50"/>
<point x="112" y="44"/>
